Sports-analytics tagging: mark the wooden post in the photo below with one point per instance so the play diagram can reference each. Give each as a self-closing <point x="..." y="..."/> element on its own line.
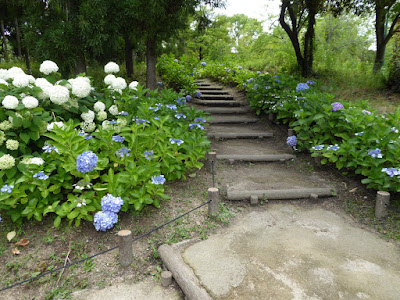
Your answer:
<point x="291" y="132"/>
<point x="253" y="200"/>
<point x="213" y="206"/>
<point x="166" y="278"/>
<point x="125" y="247"/>
<point x="382" y="201"/>
<point x="211" y="162"/>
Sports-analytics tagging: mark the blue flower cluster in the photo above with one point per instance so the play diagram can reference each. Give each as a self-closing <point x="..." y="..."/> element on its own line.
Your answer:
<point x="48" y="149"/>
<point x="336" y="106"/>
<point x="155" y="108"/>
<point x="171" y="106"/>
<point x="318" y="148"/>
<point x="118" y="139"/>
<point x="203" y="63"/>
<point x="301" y="87"/>
<point x="40" y="175"/>
<point x="178" y="116"/>
<point x="291" y="141"/>
<point x="123" y="152"/>
<point x="181" y="100"/>
<point x="159" y="83"/>
<point x="104" y="220"/>
<point x="111" y="203"/>
<point x="7" y="188"/>
<point x="148" y="154"/>
<point x="197" y="94"/>
<point x="196" y="126"/>
<point x="391" y="171"/>
<point x="158" y="179"/>
<point x="113" y="122"/>
<point x="199" y="120"/>
<point x="87" y="137"/>
<point x="333" y="147"/>
<point x="86" y="162"/>
<point x="140" y="121"/>
<point x="188" y="98"/>
<point x="375" y="153"/>
<point x="123" y="113"/>
<point x="175" y="141"/>
<point x="310" y="82"/>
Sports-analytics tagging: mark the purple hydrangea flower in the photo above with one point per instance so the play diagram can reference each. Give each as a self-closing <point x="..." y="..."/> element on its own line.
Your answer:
<point x="175" y="141"/>
<point x="301" y="87"/>
<point x="118" y="139"/>
<point x="366" y="112"/>
<point x="336" y="106"/>
<point x="259" y="72"/>
<point x="7" y="189"/>
<point x="148" y="154"/>
<point x="196" y="126"/>
<point x="158" y="179"/>
<point x="240" y="68"/>
<point x="104" y="220"/>
<point x="188" y="98"/>
<point x="178" y="116"/>
<point x="197" y="94"/>
<point x="291" y="141"/>
<point x="123" y="152"/>
<point x="111" y="203"/>
<point x="40" y="175"/>
<point x="86" y="162"/>
<point x="391" y="171"/>
<point x="375" y="153"/>
<point x="203" y="63"/>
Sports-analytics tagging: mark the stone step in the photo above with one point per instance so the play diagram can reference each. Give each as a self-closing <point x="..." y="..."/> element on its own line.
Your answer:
<point x="264" y="157"/>
<point x="239" y="135"/>
<point x="226" y="110"/>
<point x="284" y="194"/>
<point x="209" y="88"/>
<point x="218" y="103"/>
<point x="216" y="97"/>
<point x="214" y="92"/>
<point x="233" y="119"/>
<point x="202" y="84"/>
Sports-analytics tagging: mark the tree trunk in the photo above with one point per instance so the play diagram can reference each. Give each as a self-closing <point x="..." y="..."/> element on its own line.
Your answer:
<point x="128" y="56"/>
<point x="200" y="53"/>
<point x="309" y="41"/>
<point x="380" y="37"/>
<point x="151" y="61"/>
<point x="3" y="37"/>
<point x="27" y="60"/>
<point x="80" y="64"/>
<point x="18" y="37"/>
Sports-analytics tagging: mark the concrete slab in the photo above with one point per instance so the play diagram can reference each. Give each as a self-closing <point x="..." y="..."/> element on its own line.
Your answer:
<point x="246" y="147"/>
<point x="290" y="252"/>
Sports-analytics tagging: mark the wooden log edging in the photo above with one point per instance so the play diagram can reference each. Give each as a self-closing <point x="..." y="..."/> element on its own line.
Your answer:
<point x="286" y="194"/>
<point x="182" y="274"/>
<point x="261" y="157"/>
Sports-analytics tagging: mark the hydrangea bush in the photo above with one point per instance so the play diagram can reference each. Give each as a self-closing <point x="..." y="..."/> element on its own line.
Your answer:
<point x="64" y="145"/>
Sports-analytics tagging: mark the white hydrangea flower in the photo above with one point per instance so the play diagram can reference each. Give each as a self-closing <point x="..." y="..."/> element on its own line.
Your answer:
<point x="99" y="106"/>
<point x="2" y="137"/>
<point x="7" y="162"/>
<point x="88" y="116"/>
<point x="59" y="94"/>
<point x="58" y="124"/>
<point x="14" y="72"/>
<point x="45" y="86"/>
<point x="118" y="83"/>
<point x="111" y="67"/>
<point x="80" y="86"/>
<point x="2" y="81"/>
<point x="30" y="102"/>
<point x="21" y="81"/>
<point x="106" y="125"/>
<point x="109" y="79"/>
<point x="10" y="102"/>
<point x="88" y="126"/>
<point x="5" y="125"/>
<point x="101" y="115"/>
<point x="12" y="144"/>
<point x="133" y="85"/>
<point x="4" y="74"/>
<point x="31" y="79"/>
<point x="66" y="84"/>
<point x="47" y="67"/>
<point x="113" y="110"/>
<point x="36" y="161"/>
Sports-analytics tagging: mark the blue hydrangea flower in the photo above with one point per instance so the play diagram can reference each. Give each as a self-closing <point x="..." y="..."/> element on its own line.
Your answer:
<point x="188" y="98"/>
<point x="291" y="141"/>
<point x="118" y="139"/>
<point x="123" y="113"/>
<point x="394" y="129"/>
<point x="276" y="76"/>
<point x="156" y="118"/>
<point x="318" y="148"/>
<point x="40" y="175"/>
<point x="87" y="137"/>
<point x="359" y="133"/>
<point x="277" y="81"/>
<point x="175" y="141"/>
<point x="197" y="94"/>
<point x="258" y="72"/>
<point x="112" y="122"/>
<point x="240" y="68"/>
<point x="391" y="171"/>
<point x="375" y="153"/>
<point x="310" y="82"/>
<point x="366" y="112"/>
<point x="160" y="83"/>
<point x="249" y="80"/>
<point x="302" y="87"/>
<point x="0" y="219"/>
<point x="171" y="106"/>
<point x="333" y="147"/>
<point x="181" y="100"/>
<point x="140" y="121"/>
<point x="199" y="120"/>
<point x="158" y="179"/>
<point x="123" y="152"/>
<point x="203" y="63"/>
<point x="111" y="203"/>
<point x="81" y="133"/>
<point x="86" y="162"/>
<point x="336" y="106"/>
<point x="7" y="188"/>
<point x="196" y="126"/>
<point x="104" y="220"/>
<point x="256" y="86"/>
<point x="155" y="108"/>
<point x="48" y="149"/>
<point x="178" y="116"/>
<point x="148" y="154"/>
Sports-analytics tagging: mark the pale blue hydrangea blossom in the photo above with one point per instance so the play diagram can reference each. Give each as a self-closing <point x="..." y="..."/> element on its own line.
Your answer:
<point x="86" y="162"/>
<point x="104" y="220"/>
<point x="7" y="188"/>
<point x="158" y="180"/>
<point x="291" y="141"/>
<point x="175" y="141"/>
<point x="375" y="153"/>
<point x="111" y="203"/>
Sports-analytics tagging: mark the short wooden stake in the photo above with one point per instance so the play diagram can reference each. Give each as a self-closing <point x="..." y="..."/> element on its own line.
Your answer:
<point x="231" y="161"/>
<point x="125" y="247"/>
<point x="253" y="200"/>
<point x="314" y="198"/>
<point x="213" y="206"/>
<point x="166" y="278"/>
<point x="382" y="201"/>
<point x="211" y="162"/>
<point x="290" y="132"/>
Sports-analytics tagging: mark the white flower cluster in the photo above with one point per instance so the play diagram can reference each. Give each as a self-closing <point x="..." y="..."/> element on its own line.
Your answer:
<point x="3" y="74"/>
<point x="58" y="124"/>
<point x="44" y="86"/>
<point x="32" y="161"/>
<point x="133" y="85"/>
<point x="118" y="83"/>
<point x="80" y="86"/>
<point x="5" y="125"/>
<point x="30" y="102"/>
<point x="99" y="106"/>
<point x="7" y="162"/>
<point x="58" y="94"/>
<point x="101" y="115"/>
<point x="113" y="110"/>
<point x="14" y="72"/>
<point x="10" y="102"/>
<point x="47" y="67"/>
<point x="12" y="144"/>
<point x="2" y="81"/>
<point x="109" y="79"/>
<point x="88" y="126"/>
<point x="111" y="67"/>
<point x="21" y="81"/>
<point x="88" y="116"/>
